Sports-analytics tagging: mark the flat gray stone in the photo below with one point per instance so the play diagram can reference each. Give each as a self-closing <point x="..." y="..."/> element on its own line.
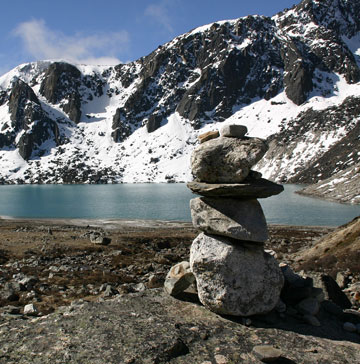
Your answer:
<point x="226" y="160"/>
<point x="233" y="279"/>
<point x="233" y="131"/>
<point x="267" y="353"/>
<point x="237" y="219"/>
<point x="260" y="188"/>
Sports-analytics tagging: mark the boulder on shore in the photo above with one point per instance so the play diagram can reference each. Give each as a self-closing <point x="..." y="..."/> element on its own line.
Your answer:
<point x="233" y="279"/>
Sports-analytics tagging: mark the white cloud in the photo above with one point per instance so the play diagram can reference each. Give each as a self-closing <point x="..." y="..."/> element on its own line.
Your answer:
<point x="44" y="43"/>
<point x="159" y="13"/>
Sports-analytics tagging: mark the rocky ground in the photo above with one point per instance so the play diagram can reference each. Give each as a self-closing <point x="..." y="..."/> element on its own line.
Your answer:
<point x="105" y="303"/>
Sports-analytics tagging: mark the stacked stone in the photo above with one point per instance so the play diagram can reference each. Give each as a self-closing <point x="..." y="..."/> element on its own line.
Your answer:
<point x="234" y="275"/>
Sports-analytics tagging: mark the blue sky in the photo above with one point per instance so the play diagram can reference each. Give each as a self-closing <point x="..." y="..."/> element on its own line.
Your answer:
<point x="111" y="31"/>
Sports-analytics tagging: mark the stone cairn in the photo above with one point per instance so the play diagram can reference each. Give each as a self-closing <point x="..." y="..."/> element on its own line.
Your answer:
<point x="234" y="275"/>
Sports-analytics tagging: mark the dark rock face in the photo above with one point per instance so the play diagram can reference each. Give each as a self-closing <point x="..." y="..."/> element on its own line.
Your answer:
<point x="298" y="76"/>
<point x="154" y="122"/>
<point x="234" y="76"/>
<point x="121" y="129"/>
<point x="61" y="83"/>
<point x="28" y="117"/>
<point x="334" y="292"/>
<point x="24" y="106"/>
<point x="5" y="140"/>
<point x="73" y="107"/>
<point x="39" y="133"/>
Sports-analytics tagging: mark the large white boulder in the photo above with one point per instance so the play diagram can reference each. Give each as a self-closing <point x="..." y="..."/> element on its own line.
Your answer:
<point x="235" y="279"/>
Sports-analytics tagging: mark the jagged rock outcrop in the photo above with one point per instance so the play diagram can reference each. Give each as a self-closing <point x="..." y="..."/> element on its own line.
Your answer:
<point x="34" y="137"/>
<point x="341" y="156"/>
<point x="298" y="74"/>
<point x="27" y="120"/>
<point x="24" y="106"/>
<point x="332" y="20"/>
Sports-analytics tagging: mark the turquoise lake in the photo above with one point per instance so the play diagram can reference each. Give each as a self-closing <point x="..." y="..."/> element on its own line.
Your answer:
<point x="155" y="201"/>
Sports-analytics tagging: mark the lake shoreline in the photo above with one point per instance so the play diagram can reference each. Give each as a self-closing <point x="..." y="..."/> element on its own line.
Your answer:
<point x="143" y="202"/>
<point x="142" y="224"/>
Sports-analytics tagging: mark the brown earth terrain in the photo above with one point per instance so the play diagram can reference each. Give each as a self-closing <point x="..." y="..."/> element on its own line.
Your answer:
<point x="91" y="297"/>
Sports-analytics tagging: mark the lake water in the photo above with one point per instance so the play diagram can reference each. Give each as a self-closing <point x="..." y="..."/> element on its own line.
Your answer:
<point x="155" y="201"/>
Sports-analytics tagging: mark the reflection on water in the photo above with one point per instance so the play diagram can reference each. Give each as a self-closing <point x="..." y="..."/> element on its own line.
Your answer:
<point x="155" y="201"/>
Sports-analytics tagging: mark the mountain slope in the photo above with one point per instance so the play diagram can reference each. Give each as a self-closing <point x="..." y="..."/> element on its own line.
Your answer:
<point x="344" y="186"/>
<point x="338" y="250"/>
<point x="293" y="78"/>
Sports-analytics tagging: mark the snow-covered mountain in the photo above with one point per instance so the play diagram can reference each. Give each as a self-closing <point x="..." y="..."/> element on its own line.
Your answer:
<point x="293" y="78"/>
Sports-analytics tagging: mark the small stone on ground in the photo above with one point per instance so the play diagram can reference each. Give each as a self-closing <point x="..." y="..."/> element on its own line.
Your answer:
<point x="267" y="353"/>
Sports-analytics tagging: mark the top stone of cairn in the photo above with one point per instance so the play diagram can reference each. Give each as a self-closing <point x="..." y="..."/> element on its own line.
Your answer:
<point x="227" y="159"/>
<point x="233" y="131"/>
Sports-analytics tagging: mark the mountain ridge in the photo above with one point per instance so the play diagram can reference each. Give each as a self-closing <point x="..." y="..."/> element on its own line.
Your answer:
<point x="139" y="122"/>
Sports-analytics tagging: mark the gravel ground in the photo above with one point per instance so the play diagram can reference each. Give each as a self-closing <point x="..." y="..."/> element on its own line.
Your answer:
<point x="105" y="304"/>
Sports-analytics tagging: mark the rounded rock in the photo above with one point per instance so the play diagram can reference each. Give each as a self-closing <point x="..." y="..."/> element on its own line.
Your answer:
<point x="178" y="279"/>
<point x="226" y="160"/>
<point x="350" y="327"/>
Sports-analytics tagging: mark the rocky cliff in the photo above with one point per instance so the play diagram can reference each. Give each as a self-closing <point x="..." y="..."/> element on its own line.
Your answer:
<point x="293" y="78"/>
